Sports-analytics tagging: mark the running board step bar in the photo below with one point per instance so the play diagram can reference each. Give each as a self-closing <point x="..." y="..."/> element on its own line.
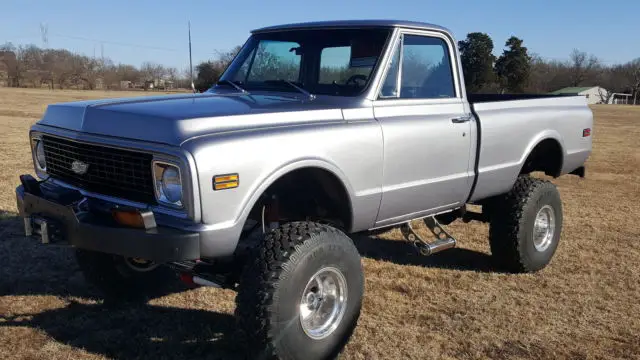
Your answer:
<point x="442" y="242"/>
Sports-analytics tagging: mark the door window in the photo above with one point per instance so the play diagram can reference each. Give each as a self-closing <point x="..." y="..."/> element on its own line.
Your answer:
<point x="426" y="71"/>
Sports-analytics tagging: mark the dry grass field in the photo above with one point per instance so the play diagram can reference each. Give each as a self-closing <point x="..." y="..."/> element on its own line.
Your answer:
<point x="585" y="305"/>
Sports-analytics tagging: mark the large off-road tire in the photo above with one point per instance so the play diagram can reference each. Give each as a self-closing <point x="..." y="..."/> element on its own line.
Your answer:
<point x="121" y="279"/>
<point x="301" y="270"/>
<point x="525" y="225"/>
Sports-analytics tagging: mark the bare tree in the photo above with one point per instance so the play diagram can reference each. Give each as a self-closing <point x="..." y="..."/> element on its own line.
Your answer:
<point x="8" y="57"/>
<point x="22" y="64"/>
<point x="634" y="78"/>
<point x="92" y="71"/>
<point x="107" y="72"/>
<point x="152" y="71"/>
<point x="582" y="67"/>
<point x="127" y="73"/>
<point x="62" y="68"/>
<point x="224" y="58"/>
<point x="605" y="95"/>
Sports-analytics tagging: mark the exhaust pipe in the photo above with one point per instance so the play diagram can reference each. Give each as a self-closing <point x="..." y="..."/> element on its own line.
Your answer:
<point x="190" y="279"/>
<point x="204" y="282"/>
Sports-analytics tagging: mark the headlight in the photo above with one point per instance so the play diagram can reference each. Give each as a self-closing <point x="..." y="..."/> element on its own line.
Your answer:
<point x="41" y="161"/>
<point x="168" y="184"/>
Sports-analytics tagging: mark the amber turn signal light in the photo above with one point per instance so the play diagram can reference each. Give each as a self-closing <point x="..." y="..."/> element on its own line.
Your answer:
<point x="134" y="218"/>
<point x="130" y="218"/>
<point x="228" y="181"/>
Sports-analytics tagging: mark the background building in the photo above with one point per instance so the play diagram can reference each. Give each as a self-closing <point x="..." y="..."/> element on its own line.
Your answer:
<point x="595" y="95"/>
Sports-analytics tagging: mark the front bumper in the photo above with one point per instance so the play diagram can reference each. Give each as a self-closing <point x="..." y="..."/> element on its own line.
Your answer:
<point x="67" y="224"/>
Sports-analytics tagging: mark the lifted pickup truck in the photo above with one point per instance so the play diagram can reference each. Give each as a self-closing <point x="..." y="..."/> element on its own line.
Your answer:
<point x="314" y="131"/>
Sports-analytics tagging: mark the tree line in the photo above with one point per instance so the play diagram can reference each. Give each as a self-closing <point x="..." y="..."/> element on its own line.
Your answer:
<point x="32" y="66"/>
<point x="518" y="71"/>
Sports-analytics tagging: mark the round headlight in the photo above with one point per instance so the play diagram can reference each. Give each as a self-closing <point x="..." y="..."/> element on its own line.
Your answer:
<point x="40" y="158"/>
<point x="172" y="185"/>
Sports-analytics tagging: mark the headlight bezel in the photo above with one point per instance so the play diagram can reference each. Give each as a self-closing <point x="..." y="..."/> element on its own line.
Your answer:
<point x="36" y="143"/>
<point x="158" y="169"/>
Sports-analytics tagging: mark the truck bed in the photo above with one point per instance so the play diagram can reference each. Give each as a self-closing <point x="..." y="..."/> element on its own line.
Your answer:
<point x="511" y="125"/>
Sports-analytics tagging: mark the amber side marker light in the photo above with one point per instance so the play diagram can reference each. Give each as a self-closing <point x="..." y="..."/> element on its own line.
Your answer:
<point x="228" y="181"/>
<point x="134" y="218"/>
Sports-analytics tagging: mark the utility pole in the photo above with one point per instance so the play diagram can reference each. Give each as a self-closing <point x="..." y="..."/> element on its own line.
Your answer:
<point x="193" y="87"/>
<point x="44" y="34"/>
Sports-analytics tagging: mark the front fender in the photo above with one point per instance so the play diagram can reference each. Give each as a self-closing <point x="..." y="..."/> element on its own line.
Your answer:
<point x="350" y="151"/>
<point x="263" y="184"/>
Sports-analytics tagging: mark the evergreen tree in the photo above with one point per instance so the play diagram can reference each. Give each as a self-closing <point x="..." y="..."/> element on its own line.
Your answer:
<point x="513" y="67"/>
<point x="477" y="61"/>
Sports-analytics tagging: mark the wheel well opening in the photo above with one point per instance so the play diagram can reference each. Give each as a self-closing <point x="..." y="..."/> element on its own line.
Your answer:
<point x="307" y="194"/>
<point x="546" y="157"/>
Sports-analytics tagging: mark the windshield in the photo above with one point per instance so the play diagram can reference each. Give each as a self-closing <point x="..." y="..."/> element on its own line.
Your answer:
<point x="324" y="61"/>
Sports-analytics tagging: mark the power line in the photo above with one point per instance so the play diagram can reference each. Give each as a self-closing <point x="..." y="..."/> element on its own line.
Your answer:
<point x="116" y="43"/>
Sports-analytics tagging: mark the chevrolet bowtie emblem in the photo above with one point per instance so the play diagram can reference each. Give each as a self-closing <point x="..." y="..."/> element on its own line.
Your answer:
<point x="79" y="167"/>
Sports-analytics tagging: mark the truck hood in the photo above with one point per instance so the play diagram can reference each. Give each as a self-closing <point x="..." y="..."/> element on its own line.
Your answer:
<point x="173" y="119"/>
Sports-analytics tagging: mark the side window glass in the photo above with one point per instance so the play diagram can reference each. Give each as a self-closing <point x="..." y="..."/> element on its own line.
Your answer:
<point x="390" y="84"/>
<point x="426" y="69"/>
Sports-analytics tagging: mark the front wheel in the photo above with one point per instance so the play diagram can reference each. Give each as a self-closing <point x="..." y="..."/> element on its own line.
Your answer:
<point x="526" y="225"/>
<point x="301" y="294"/>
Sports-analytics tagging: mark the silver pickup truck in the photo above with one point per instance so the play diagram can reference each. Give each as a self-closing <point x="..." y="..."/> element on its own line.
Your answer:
<point x="314" y="131"/>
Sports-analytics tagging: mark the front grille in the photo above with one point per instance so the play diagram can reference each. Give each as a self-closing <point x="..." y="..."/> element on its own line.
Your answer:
<point x="114" y="172"/>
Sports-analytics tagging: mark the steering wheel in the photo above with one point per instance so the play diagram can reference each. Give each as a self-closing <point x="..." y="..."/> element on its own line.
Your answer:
<point x="352" y="79"/>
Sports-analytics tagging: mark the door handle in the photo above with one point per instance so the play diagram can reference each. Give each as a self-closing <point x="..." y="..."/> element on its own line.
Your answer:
<point x="461" y="119"/>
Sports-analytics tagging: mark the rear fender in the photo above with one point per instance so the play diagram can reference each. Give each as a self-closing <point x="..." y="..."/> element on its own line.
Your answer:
<point x="544" y="135"/>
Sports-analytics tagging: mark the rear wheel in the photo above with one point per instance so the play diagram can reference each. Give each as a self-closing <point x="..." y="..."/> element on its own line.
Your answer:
<point x="526" y="225"/>
<point x="300" y="295"/>
<point x="120" y="278"/>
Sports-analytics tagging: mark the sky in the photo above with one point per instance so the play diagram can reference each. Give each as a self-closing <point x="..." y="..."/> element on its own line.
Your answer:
<point x="136" y="31"/>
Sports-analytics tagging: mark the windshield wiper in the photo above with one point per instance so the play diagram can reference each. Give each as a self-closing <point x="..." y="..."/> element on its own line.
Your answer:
<point x="233" y="84"/>
<point x="293" y="85"/>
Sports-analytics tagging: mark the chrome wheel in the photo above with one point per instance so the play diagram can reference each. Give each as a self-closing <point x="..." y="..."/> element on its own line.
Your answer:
<point x="323" y="303"/>
<point x="544" y="228"/>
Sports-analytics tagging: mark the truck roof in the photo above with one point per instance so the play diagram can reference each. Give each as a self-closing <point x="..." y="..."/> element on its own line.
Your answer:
<point x="352" y="24"/>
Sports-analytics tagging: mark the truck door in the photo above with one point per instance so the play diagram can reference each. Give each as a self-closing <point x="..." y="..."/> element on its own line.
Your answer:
<point x="426" y="124"/>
